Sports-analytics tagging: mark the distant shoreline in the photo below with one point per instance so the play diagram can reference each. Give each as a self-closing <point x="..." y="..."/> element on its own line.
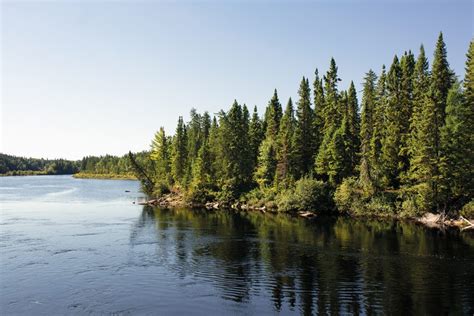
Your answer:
<point x="107" y="176"/>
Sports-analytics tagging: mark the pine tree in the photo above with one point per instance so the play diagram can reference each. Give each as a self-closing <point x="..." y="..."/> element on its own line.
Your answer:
<point x="256" y="135"/>
<point x="160" y="154"/>
<point x="353" y="122"/>
<point x="234" y="151"/>
<point x="332" y="113"/>
<point x="179" y="152"/>
<point x="366" y="131"/>
<point x="332" y="119"/>
<point x="273" y="114"/>
<point x="407" y="64"/>
<point x="339" y="150"/>
<point x="441" y="80"/>
<point x="202" y="168"/>
<point x="303" y="136"/>
<point x="285" y="158"/>
<point x="318" y="117"/>
<point x="378" y="127"/>
<point x="418" y="133"/>
<point x="194" y="137"/>
<point x="391" y="141"/>
<point x="457" y="141"/>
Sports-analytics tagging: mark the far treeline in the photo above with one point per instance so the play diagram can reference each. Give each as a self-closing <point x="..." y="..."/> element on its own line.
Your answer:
<point x="405" y="150"/>
<point x="107" y="167"/>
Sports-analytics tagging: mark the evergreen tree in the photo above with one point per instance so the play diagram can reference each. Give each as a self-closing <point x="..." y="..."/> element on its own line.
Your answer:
<point x="285" y="158"/>
<point x="332" y="118"/>
<point x="391" y="141"/>
<point x="407" y="64"/>
<point x="353" y="122"/>
<point x="421" y="155"/>
<point x="441" y="80"/>
<point x="273" y="114"/>
<point x="202" y="168"/>
<point x="366" y="130"/>
<point x="256" y="135"/>
<point x="194" y="137"/>
<point x="160" y="154"/>
<point x="378" y="127"/>
<point x="339" y="150"/>
<point x="234" y="146"/>
<point x="457" y="142"/>
<point x="303" y="136"/>
<point x="318" y="117"/>
<point x="179" y="152"/>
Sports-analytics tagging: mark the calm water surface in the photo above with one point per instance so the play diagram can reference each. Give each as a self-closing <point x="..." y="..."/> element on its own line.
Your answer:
<point x="72" y="246"/>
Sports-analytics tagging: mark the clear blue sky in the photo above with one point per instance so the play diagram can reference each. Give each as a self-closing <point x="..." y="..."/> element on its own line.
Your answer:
<point x="89" y="77"/>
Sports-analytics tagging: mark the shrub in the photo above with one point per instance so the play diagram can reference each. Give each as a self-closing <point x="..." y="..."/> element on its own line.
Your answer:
<point x="161" y="188"/>
<point x="348" y="197"/>
<point x="416" y="200"/>
<point x="468" y="210"/>
<point x="200" y="194"/>
<point x="309" y="194"/>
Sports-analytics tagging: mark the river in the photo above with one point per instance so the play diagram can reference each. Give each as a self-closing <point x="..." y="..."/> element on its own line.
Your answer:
<point x="81" y="246"/>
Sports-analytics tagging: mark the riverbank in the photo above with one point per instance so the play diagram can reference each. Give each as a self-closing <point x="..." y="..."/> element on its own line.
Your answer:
<point x="176" y="200"/>
<point x="109" y="176"/>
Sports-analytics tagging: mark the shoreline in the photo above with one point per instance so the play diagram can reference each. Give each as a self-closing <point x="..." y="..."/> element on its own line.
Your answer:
<point x="106" y="176"/>
<point x="430" y="220"/>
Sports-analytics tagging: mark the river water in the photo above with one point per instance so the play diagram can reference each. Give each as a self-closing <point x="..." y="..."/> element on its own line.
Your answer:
<point x="77" y="246"/>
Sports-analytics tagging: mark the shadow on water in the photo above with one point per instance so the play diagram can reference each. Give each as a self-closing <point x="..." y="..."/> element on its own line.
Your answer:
<point x="330" y="265"/>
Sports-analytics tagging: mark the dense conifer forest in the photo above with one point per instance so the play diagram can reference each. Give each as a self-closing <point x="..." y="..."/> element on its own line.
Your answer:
<point x="107" y="166"/>
<point x="402" y="147"/>
<point x="13" y="165"/>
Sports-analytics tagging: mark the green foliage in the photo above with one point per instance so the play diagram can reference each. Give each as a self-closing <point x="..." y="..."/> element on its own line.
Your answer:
<point x="349" y="198"/>
<point x="12" y="165"/>
<point x="468" y="210"/>
<point x="308" y="195"/>
<point x="408" y="150"/>
<point x="303" y="133"/>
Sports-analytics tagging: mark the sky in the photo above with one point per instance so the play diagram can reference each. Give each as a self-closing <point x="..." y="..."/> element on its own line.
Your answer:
<point x="100" y="77"/>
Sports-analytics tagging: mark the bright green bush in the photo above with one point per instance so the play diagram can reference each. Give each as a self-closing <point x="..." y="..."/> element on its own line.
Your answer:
<point x="468" y="210"/>
<point x="309" y="195"/>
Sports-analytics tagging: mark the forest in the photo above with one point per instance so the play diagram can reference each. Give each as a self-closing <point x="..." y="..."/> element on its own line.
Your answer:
<point x="404" y="149"/>
<point x="107" y="166"/>
<point x="13" y="165"/>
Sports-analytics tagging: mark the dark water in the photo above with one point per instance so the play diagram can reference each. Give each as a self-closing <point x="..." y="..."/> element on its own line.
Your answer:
<point x="81" y="247"/>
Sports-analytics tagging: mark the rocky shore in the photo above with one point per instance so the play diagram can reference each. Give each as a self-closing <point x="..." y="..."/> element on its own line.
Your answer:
<point x="177" y="200"/>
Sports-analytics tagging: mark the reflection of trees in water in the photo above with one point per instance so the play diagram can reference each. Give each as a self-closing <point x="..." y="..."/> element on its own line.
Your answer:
<point x="326" y="266"/>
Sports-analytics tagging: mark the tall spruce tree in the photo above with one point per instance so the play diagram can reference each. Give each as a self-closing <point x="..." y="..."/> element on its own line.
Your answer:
<point x="353" y="122"/>
<point x="318" y="117"/>
<point x="267" y="161"/>
<point x="441" y="80"/>
<point x="160" y="153"/>
<point x="179" y="152"/>
<point x="256" y="135"/>
<point x="285" y="153"/>
<point x="273" y="114"/>
<point x="366" y="131"/>
<point x="303" y="136"/>
<point x="457" y="141"/>
<point x="378" y="127"/>
<point x="391" y="141"/>
<point x="332" y="114"/>
<point x="420" y="145"/>
<point x="407" y="64"/>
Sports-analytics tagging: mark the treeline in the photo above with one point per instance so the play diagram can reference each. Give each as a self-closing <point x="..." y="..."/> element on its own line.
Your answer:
<point x="12" y="165"/>
<point x="406" y="149"/>
<point x="109" y="166"/>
